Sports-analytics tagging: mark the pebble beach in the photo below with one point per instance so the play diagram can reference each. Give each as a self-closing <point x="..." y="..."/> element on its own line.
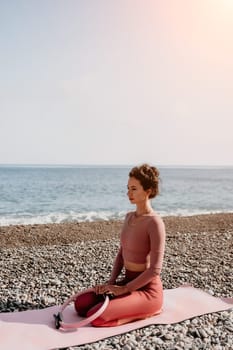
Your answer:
<point x="42" y="265"/>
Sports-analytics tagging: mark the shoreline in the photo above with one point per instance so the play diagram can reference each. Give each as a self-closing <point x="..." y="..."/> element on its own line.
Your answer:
<point x="65" y="233"/>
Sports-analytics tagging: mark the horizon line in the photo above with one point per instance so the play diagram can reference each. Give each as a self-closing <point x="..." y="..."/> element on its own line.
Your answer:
<point x="113" y="165"/>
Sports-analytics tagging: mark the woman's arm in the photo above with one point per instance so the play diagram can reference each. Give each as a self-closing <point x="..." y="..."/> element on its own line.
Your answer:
<point x="117" y="267"/>
<point x="110" y="286"/>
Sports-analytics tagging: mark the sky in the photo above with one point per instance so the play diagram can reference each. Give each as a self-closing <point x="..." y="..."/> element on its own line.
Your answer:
<point x="116" y="82"/>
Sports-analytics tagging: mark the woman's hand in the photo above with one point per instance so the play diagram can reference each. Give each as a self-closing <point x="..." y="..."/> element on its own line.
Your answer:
<point x="111" y="289"/>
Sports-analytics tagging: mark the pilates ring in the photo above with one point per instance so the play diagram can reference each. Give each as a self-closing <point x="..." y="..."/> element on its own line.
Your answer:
<point x="59" y="318"/>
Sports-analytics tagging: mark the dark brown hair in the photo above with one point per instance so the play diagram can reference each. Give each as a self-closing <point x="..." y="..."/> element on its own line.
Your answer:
<point x="148" y="176"/>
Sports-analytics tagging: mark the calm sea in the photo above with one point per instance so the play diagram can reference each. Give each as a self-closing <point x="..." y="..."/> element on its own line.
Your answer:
<point x="54" y="194"/>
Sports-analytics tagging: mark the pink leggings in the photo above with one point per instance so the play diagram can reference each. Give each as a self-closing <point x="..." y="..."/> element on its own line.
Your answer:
<point x="139" y="304"/>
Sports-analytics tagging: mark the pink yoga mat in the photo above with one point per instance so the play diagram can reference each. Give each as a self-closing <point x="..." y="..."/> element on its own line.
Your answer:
<point x="35" y="330"/>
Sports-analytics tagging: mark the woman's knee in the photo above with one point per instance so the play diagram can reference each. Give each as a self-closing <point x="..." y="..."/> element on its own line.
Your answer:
<point x="85" y="302"/>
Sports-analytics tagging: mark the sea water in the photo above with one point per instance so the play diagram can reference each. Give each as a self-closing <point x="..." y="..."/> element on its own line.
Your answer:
<point x="55" y="194"/>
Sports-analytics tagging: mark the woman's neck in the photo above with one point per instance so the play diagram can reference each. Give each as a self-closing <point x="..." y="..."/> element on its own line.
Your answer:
<point x="143" y="210"/>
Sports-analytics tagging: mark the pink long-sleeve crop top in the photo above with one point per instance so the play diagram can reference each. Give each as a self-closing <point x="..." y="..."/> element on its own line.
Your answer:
<point x="142" y="242"/>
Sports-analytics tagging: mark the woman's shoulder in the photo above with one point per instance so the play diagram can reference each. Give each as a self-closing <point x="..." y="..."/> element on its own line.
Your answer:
<point x="156" y="216"/>
<point x="155" y="220"/>
<point x="128" y="217"/>
<point x="129" y="214"/>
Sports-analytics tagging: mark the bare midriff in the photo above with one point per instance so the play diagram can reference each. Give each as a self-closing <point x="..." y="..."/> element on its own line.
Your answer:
<point x="134" y="266"/>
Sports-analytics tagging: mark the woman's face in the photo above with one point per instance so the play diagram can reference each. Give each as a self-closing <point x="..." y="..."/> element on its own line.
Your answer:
<point x="136" y="192"/>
